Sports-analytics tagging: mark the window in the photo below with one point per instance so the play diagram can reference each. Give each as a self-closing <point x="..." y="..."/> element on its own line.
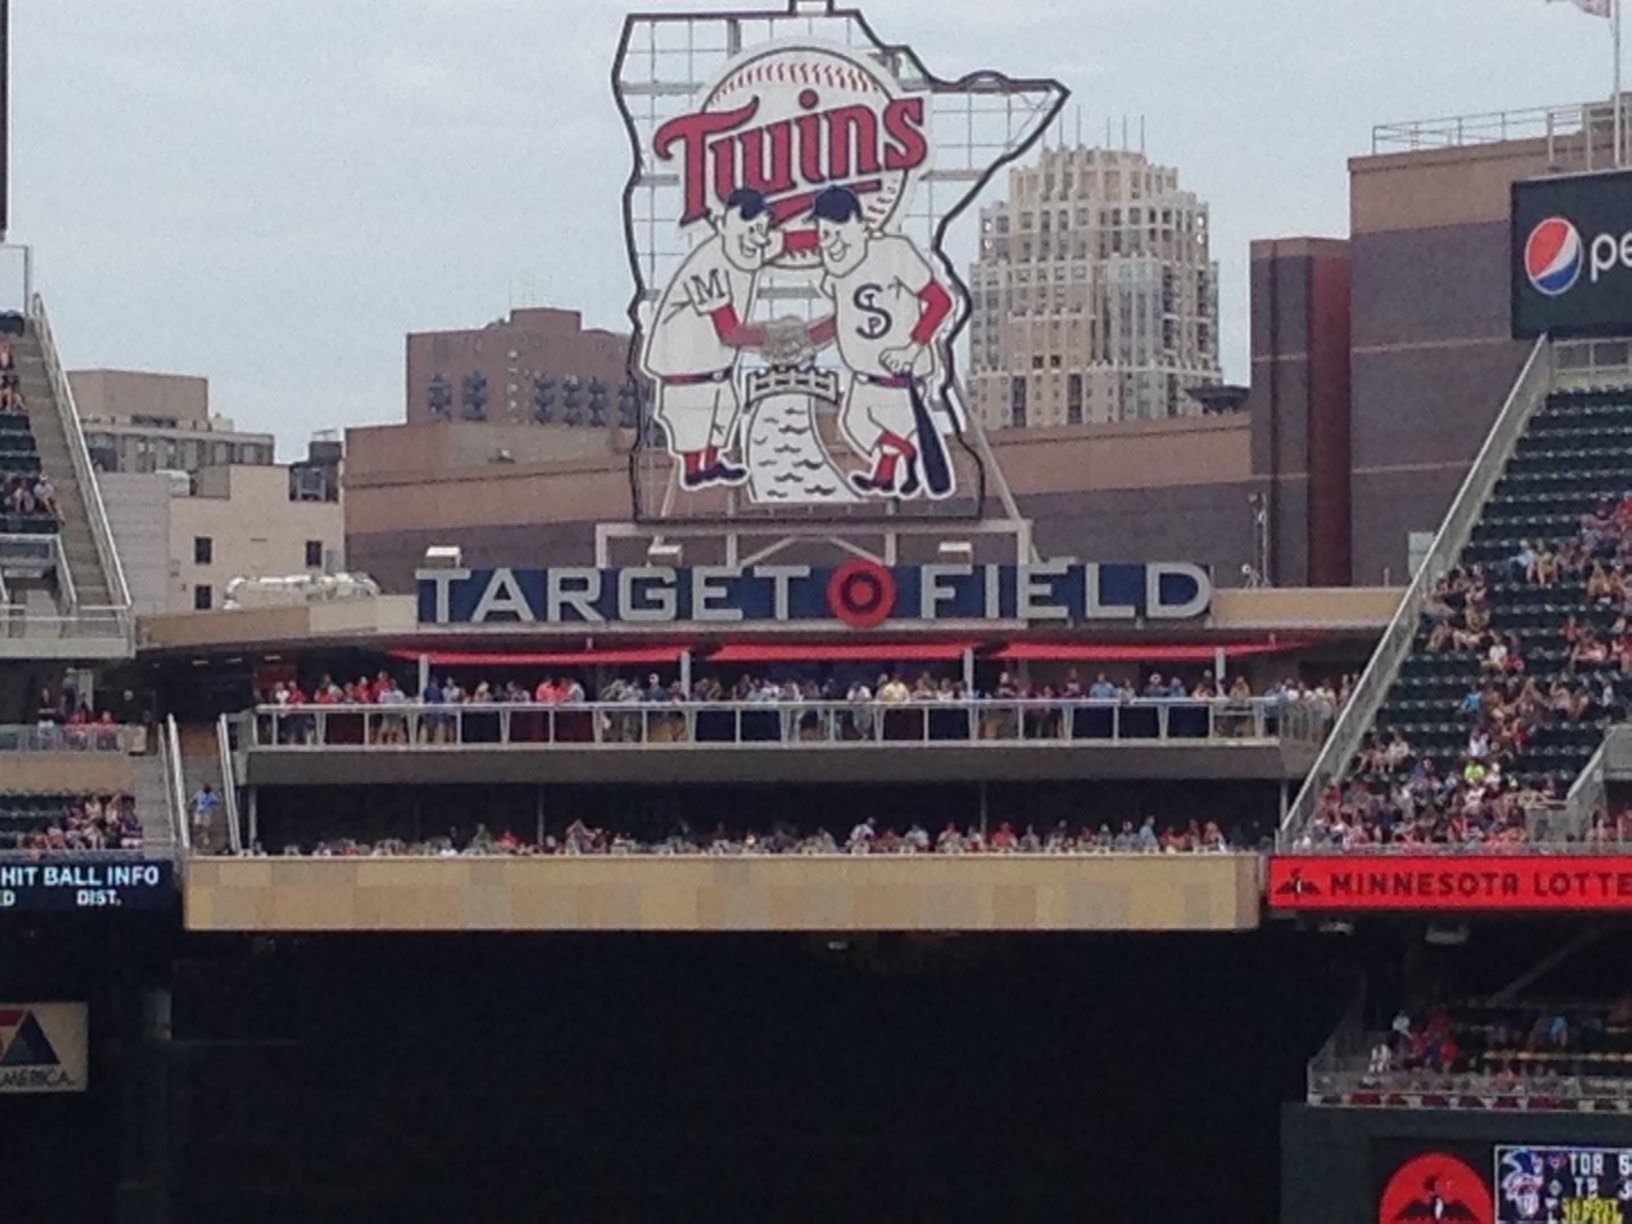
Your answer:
<point x="1417" y="546"/>
<point x="203" y="597"/>
<point x="314" y="554"/>
<point x="1073" y="399"/>
<point x="1017" y="401"/>
<point x="203" y="551"/>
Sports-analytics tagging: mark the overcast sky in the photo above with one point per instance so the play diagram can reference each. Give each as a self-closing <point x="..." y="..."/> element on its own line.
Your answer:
<point x="273" y="194"/>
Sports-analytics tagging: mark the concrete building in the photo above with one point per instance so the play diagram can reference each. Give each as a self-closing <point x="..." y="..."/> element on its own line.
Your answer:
<point x="135" y="421"/>
<point x="540" y="365"/>
<point x="184" y="539"/>
<point x="1094" y="296"/>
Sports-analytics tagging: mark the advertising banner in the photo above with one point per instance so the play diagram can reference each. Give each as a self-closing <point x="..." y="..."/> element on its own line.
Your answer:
<point x="1449" y="882"/>
<point x="1442" y="1183"/>
<point x="1572" y="255"/>
<point x="44" y="1047"/>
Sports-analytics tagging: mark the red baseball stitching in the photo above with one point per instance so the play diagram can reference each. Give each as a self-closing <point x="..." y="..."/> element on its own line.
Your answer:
<point x="845" y="76"/>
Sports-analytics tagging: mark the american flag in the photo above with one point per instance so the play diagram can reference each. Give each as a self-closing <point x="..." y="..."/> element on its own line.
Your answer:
<point x="1597" y="8"/>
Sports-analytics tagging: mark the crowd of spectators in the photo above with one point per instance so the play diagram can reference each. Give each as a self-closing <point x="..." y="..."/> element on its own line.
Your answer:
<point x="1477" y="807"/>
<point x="30" y="493"/>
<point x="1505" y="1044"/>
<point x="890" y="687"/>
<point x="74" y="722"/>
<point x="1398" y="795"/>
<point x="862" y="708"/>
<point x="11" y="394"/>
<point x="868" y="836"/>
<point x="90" y="822"/>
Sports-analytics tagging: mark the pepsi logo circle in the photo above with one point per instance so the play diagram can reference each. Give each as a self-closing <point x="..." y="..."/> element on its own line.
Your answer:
<point x="1554" y="256"/>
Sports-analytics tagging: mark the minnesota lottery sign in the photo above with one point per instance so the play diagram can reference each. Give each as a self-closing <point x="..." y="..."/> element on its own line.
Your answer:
<point x="794" y="311"/>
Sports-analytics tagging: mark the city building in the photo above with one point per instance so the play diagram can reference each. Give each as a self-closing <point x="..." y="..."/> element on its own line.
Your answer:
<point x="1094" y="295"/>
<point x="185" y="538"/>
<point x="136" y="421"/>
<point x="541" y="365"/>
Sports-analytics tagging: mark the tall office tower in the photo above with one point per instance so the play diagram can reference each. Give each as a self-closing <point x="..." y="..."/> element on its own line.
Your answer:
<point x="1095" y="296"/>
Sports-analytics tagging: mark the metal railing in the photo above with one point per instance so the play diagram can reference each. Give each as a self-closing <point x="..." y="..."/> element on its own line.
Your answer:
<point x="86" y="737"/>
<point x="1426" y="1089"/>
<point x="79" y="455"/>
<point x="1550" y="123"/>
<point x="170" y="750"/>
<point x="1529" y="391"/>
<point x="803" y="723"/>
<point x="1601" y="362"/>
<point x="19" y="623"/>
<point x="32" y="554"/>
<point x="229" y="784"/>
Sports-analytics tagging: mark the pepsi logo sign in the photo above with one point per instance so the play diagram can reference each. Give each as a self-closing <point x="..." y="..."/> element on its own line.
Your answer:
<point x="1554" y="256"/>
<point x="1570" y="255"/>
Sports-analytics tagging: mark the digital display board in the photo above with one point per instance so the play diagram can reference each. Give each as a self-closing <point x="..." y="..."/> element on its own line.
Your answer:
<point x="1563" y="1185"/>
<point x="66" y="884"/>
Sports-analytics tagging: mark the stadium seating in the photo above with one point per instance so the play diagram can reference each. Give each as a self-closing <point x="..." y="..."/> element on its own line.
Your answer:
<point x="1576" y="451"/>
<point x="19" y="464"/>
<point x="34" y="821"/>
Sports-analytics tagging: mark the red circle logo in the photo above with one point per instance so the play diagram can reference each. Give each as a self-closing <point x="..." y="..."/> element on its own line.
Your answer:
<point x="1435" y="1186"/>
<point x="861" y="593"/>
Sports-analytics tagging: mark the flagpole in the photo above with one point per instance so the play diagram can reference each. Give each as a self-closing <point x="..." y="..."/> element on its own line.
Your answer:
<point x="1620" y="122"/>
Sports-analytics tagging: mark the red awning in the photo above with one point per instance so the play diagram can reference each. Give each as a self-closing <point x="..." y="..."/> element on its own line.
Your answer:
<point x="609" y="656"/>
<point x="1140" y="652"/>
<point x="839" y="652"/>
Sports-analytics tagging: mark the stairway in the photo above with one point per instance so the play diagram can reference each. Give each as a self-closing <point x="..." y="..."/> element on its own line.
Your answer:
<point x="201" y="766"/>
<point x="153" y="805"/>
<point x="92" y="587"/>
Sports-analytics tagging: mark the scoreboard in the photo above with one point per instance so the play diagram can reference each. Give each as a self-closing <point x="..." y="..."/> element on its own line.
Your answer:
<point x="1563" y="1185"/>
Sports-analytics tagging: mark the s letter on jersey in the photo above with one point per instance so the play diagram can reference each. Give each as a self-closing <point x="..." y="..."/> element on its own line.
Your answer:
<point x="794" y="311"/>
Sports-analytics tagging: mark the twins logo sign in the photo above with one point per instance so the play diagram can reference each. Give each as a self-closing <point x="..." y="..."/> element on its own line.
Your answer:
<point x="794" y="311"/>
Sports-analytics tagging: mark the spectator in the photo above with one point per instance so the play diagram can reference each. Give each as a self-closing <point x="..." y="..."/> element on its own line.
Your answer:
<point x="205" y="805"/>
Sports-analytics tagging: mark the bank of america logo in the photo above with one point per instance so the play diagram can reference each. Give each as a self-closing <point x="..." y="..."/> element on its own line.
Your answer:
<point x="23" y="1042"/>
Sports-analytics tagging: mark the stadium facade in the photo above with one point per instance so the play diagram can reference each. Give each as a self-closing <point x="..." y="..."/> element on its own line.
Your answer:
<point x="650" y="846"/>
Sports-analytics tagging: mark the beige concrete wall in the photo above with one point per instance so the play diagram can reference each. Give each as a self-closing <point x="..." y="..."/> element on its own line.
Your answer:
<point x="275" y="626"/>
<point x="84" y="773"/>
<point x="841" y="893"/>
<point x="1439" y="187"/>
<point x="1291" y="608"/>
<point x="429" y="448"/>
<point x="118" y="394"/>
<point x="255" y="531"/>
<point x="424" y="477"/>
<point x="1132" y="454"/>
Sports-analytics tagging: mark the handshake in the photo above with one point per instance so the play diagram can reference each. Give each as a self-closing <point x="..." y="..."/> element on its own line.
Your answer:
<point x="788" y="342"/>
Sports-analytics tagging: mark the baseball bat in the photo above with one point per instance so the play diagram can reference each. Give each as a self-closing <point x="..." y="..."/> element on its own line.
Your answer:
<point x="931" y="449"/>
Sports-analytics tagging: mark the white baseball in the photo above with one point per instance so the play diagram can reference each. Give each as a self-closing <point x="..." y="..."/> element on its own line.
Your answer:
<point x="781" y="78"/>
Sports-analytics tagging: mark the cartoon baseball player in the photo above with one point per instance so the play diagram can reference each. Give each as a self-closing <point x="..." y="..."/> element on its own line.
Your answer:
<point x="699" y="330"/>
<point x="888" y="308"/>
